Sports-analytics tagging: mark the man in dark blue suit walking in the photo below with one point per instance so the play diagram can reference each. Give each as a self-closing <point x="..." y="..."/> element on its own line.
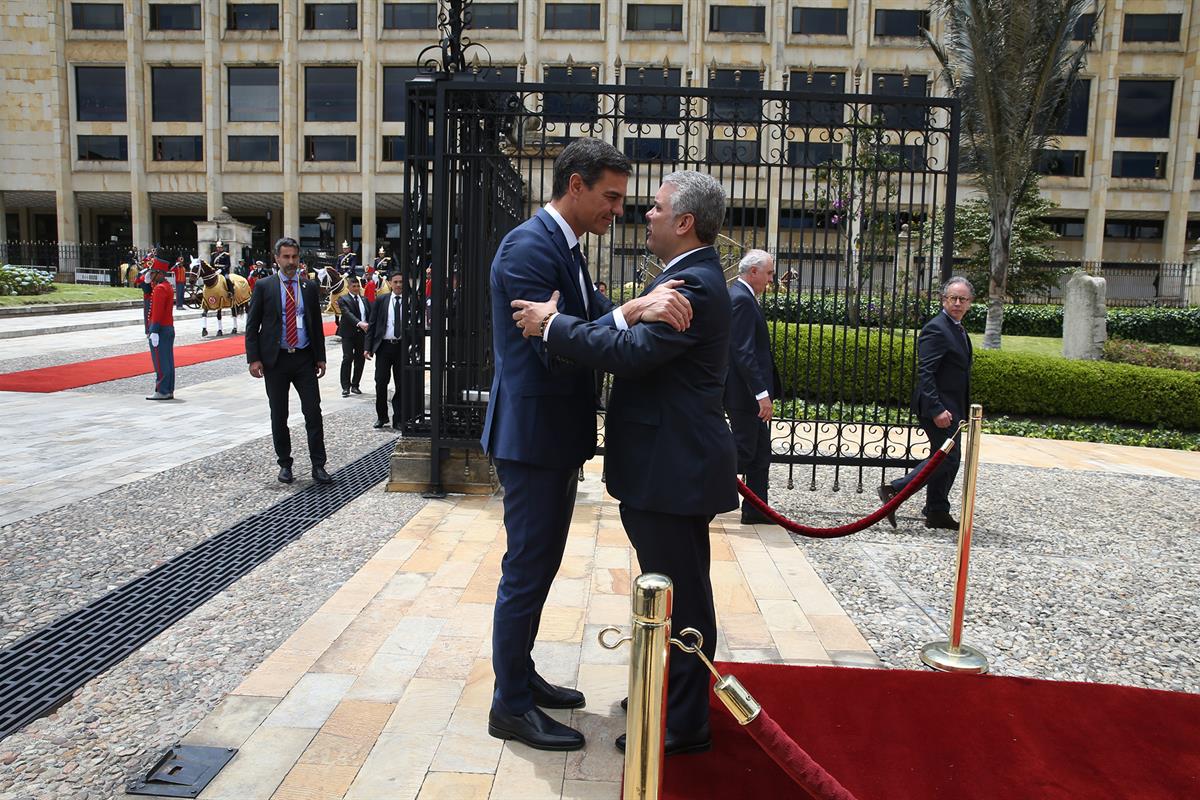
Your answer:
<point x="940" y="399"/>
<point x="541" y="424"/>
<point x="669" y="454"/>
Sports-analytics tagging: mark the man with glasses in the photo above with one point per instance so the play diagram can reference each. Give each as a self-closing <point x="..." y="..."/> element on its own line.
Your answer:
<point x="940" y="399"/>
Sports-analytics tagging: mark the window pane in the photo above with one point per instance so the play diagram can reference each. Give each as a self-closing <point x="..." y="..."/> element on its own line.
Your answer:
<point x="899" y="117"/>
<point x="910" y="156"/>
<point x="660" y="108"/>
<point x="178" y="148"/>
<point x="496" y="16"/>
<point x="97" y="16"/>
<point x="409" y="16"/>
<point x="253" y="94"/>
<point x="393" y="148"/>
<point x="164" y="17"/>
<point x="1133" y="229"/>
<point x="1151" y="28"/>
<point x="330" y="148"/>
<point x="812" y="154"/>
<point x="176" y="94"/>
<point x="1066" y="227"/>
<point x="646" y="17"/>
<point x="735" y="109"/>
<point x="572" y="16"/>
<point x="1083" y="28"/>
<point x="812" y="113"/>
<point x="819" y="21"/>
<point x="735" y="19"/>
<point x="891" y="22"/>
<point x="330" y="16"/>
<point x="1062" y="163"/>
<point x="1075" y="120"/>
<point x="252" y="17"/>
<point x="570" y="107"/>
<point x="395" y="93"/>
<point x="103" y="148"/>
<point x="727" y="151"/>
<point x="100" y="94"/>
<point x="330" y="94"/>
<point x="253" y="148"/>
<point x="652" y="149"/>
<point x="1144" y="108"/>
<point x="1139" y="165"/>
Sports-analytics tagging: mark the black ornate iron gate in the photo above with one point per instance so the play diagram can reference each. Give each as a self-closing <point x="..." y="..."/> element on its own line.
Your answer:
<point x="853" y="193"/>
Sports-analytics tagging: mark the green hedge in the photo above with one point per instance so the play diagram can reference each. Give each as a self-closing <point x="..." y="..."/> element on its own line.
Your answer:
<point x="1004" y="383"/>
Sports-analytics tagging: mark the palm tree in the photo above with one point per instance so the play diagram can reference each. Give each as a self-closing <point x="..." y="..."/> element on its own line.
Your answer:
<point x="1011" y="64"/>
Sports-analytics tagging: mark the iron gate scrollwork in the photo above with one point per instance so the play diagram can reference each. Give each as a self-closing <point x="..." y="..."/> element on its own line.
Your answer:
<point x="845" y="189"/>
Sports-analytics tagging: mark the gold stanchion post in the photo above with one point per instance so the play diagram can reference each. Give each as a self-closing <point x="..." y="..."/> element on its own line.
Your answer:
<point x="646" y="724"/>
<point x="953" y="655"/>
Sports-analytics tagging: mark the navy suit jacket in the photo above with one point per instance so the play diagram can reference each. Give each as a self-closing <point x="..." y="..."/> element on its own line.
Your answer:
<point x="667" y="445"/>
<point x="540" y="411"/>
<point x="751" y="367"/>
<point x="943" y="370"/>
<point x="264" y="321"/>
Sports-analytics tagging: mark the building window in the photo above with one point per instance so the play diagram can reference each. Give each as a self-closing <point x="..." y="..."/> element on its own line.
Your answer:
<point x="494" y="16"/>
<point x="395" y="92"/>
<point x="409" y="16"/>
<point x="174" y="17"/>
<point x="103" y="148"/>
<point x="572" y="16"/>
<point x="1061" y="163"/>
<point x="1151" y="28"/>
<point x="819" y="21"/>
<point x="330" y="16"/>
<point x="910" y="157"/>
<point x="253" y="94"/>
<point x="901" y="117"/>
<point x="100" y="94"/>
<point x="331" y="95"/>
<point x="330" y="148"/>
<point x="737" y="19"/>
<point x="1075" y="118"/>
<point x="648" y="17"/>
<point x="176" y="94"/>
<point x="661" y="108"/>
<point x="1196" y="168"/>
<point x="253" y="148"/>
<point x="894" y="22"/>
<point x="812" y="113"/>
<point x="98" y="16"/>
<point x="1144" y="108"/>
<point x="1145" y="229"/>
<point x="1140" y="164"/>
<point x="735" y="109"/>
<point x="393" y="148"/>
<point x="252" y="17"/>
<point x="1065" y="227"/>
<point x="1083" y="28"/>
<point x="648" y="148"/>
<point x="567" y="107"/>
<point x="178" y="148"/>
<point x="812" y="154"/>
<point x="728" y="151"/>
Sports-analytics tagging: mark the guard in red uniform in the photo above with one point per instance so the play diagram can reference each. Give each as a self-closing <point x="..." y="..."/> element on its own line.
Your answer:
<point x="162" y="331"/>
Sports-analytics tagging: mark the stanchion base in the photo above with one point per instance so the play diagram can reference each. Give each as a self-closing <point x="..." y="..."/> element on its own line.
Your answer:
<point x="944" y="658"/>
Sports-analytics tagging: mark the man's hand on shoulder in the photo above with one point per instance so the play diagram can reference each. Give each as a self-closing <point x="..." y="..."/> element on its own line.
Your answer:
<point x="663" y="304"/>
<point x="531" y="317"/>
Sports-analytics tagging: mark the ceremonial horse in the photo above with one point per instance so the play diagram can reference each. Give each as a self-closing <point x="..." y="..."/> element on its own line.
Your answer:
<point x="217" y="295"/>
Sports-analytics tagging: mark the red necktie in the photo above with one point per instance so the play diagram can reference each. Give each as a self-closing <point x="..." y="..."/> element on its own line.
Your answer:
<point x="289" y="314"/>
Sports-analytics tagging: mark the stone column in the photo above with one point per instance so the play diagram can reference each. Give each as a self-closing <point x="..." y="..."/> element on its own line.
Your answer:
<point x="213" y="144"/>
<point x="1085" y="317"/>
<point x="368" y="80"/>
<point x="1104" y="114"/>
<point x="141" y="218"/>
<point x="290" y="129"/>
<point x="64" y="190"/>
<point x="1175" y="242"/>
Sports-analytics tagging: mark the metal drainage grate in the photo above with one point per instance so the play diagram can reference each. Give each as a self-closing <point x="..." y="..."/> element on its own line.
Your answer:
<point x="40" y="671"/>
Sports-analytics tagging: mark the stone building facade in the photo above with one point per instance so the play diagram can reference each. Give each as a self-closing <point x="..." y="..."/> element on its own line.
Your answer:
<point x="127" y="121"/>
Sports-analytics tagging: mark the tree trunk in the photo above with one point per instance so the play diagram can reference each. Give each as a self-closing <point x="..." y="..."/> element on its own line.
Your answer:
<point x="998" y="280"/>
<point x="852" y="283"/>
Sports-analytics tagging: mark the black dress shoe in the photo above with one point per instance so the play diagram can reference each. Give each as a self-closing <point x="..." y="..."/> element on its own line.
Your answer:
<point x="285" y="475"/>
<point x="941" y="519"/>
<point x="380" y="423"/>
<point x="535" y="728"/>
<point x="547" y="695"/>
<point x="396" y="426"/>
<point x="755" y="517"/>
<point x="345" y="392"/>
<point x="886" y="493"/>
<point x="677" y="744"/>
<point x="625" y="704"/>
<point x="321" y="476"/>
<point x="355" y="390"/>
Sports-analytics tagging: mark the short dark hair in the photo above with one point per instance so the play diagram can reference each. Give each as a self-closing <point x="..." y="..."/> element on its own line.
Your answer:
<point x="589" y="158"/>
<point x="286" y="241"/>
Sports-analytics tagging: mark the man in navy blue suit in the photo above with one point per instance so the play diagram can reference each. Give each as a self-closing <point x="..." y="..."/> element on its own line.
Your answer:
<point x="752" y="381"/>
<point x="669" y="455"/>
<point x="940" y="399"/>
<point x="541" y="423"/>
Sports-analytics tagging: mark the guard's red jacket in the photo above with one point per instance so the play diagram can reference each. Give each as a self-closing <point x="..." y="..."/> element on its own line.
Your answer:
<point x="162" y="303"/>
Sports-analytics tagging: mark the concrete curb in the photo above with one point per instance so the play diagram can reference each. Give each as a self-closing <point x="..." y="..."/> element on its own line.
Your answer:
<point x="67" y="308"/>
<point x="88" y="326"/>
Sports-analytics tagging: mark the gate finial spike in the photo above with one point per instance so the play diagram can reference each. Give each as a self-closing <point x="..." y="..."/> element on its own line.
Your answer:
<point x="666" y="66"/>
<point x="521" y="64"/>
<point x="617" y="65"/>
<point x="712" y="68"/>
<point x="570" y="65"/>
<point x="475" y="64"/>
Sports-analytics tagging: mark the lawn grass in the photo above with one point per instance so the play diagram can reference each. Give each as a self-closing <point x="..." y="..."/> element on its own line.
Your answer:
<point x="74" y="293"/>
<point x="1046" y="346"/>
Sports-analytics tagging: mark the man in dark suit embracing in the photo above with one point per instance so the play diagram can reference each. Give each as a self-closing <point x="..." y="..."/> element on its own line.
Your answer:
<point x="285" y="345"/>
<point x="940" y="399"/>
<point x="669" y="454"/>
<point x="541" y="423"/>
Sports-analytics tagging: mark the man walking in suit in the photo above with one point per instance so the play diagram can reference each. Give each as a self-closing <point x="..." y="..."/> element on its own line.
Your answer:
<point x="670" y="457"/>
<point x="752" y="382"/>
<point x="352" y="327"/>
<point x="390" y="342"/>
<point x="285" y="345"/>
<point x="940" y="399"/>
<point x="541" y="424"/>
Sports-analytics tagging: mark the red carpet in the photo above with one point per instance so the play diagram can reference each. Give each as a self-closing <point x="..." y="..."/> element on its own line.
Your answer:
<point x="903" y="735"/>
<point x="86" y="373"/>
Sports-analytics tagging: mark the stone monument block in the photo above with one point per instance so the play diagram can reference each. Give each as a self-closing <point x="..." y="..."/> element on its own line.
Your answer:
<point x="1085" y="317"/>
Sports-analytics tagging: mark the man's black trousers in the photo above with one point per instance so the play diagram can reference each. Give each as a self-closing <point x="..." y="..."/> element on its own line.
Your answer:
<point x="352" y="356"/>
<point x="297" y="369"/>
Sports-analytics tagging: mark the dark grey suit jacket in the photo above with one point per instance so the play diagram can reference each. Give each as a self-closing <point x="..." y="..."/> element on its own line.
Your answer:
<point x="943" y="370"/>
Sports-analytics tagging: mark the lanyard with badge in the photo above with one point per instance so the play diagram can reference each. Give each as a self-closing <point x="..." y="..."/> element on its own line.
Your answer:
<point x="295" y="304"/>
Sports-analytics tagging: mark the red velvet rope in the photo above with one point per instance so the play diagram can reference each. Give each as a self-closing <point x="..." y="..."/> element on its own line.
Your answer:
<point x="792" y="759"/>
<point x="854" y="527"/>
